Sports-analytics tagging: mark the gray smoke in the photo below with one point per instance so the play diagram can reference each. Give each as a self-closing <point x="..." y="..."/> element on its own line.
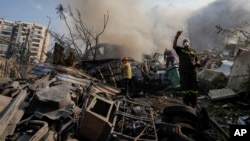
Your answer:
<point x="135" y="25"/>
<point x="145" y="26"/>
<point x="229" y="14"/>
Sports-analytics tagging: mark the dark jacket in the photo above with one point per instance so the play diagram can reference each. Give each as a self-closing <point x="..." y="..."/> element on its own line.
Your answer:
<point x="187" y="59"/>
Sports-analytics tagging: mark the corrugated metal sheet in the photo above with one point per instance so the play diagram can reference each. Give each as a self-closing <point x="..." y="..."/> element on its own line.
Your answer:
<point x="41" y="69"/>
<point x="72" y="79"/>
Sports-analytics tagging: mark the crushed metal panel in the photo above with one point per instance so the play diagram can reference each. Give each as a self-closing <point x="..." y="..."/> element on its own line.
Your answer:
<point x="239" y="70"/>
<point x="94" y="127"/>
<point x="41" y="69"/>
<point x="95" y="123"/>
<point x="133" y="121"/>
<point x="72" y="79"/>
<point x="73" y="71"/>
<point x="217" y="94"/>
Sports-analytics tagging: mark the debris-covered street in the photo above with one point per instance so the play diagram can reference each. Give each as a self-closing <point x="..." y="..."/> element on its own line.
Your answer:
<point x="71" y="103"/>
<point x="95" y="70"/>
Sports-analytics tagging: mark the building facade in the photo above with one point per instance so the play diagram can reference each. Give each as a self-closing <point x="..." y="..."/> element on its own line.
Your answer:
<point x="23" y="41"/>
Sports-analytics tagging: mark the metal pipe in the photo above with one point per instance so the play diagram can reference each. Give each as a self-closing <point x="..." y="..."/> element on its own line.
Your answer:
<point x="227" y="137"/>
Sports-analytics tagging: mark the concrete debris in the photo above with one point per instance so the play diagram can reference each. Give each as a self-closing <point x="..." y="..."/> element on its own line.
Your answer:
<point x="68" y="104"/>
<point x="87" y="102"/>
<point x="239" y="71"/>
<point x="216" y="94"/>
<point x="211" y="79"/>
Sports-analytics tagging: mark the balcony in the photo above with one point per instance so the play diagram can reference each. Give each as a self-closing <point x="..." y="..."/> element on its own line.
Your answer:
<point x="8" y="28"/>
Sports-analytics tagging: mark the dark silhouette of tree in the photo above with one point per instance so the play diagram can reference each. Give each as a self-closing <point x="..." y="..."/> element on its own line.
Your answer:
<point x="84" y="33"/>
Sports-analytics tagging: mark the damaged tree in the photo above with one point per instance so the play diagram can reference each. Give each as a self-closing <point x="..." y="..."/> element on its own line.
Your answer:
<point x="84" y="33"/>
<point x="242" y="35"/>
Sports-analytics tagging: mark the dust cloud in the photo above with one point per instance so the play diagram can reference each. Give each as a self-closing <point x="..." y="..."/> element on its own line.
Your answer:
<point x="149" y="26"/>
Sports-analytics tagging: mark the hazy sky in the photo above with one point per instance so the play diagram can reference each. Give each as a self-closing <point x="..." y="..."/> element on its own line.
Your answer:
<point x="38" y="10"/>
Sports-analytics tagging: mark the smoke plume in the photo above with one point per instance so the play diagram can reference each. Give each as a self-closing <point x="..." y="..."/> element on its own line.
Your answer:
<point x="148" y="26"/>
<point x="229" y="14"/>
<point x="139" y="26"/>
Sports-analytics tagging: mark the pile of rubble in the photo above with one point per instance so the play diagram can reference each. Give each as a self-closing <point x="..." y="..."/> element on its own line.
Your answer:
<point x="63" y="103"/>
<point x="86" y="102"/>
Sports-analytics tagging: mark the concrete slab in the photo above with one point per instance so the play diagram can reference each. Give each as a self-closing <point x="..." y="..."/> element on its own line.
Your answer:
<point x="217" y="94"/>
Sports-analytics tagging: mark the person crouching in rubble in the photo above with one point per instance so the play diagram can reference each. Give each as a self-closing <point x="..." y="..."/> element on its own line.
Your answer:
<point x="188" y="64"/>
<point x="127" y="75"/>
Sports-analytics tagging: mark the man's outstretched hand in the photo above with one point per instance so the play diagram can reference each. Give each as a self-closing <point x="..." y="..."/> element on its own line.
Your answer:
<point x="178" y="33"/>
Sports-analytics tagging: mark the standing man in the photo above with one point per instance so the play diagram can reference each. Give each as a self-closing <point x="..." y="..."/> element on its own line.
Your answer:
<point x="127" y="75"/>
<point x="145" y="70"/>
<point x="145" y="74"/>
<point x="169" y="58"/>
<point x="188" y="63"/>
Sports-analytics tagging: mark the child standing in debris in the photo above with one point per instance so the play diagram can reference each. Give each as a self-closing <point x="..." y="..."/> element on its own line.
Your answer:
<point x="188" y="63"/>
<point x="169" y="58"/>
<point x="127" y="75"/>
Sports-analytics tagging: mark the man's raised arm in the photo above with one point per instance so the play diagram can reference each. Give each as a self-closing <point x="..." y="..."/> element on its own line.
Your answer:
<point x="176" y="38"/>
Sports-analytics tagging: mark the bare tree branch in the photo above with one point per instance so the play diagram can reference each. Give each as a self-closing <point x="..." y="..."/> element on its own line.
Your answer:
<point x="98" y="35"/>
<point x="60" y="11"/>
<point x="241" y="34"/>
<point x="84" y="33"/>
